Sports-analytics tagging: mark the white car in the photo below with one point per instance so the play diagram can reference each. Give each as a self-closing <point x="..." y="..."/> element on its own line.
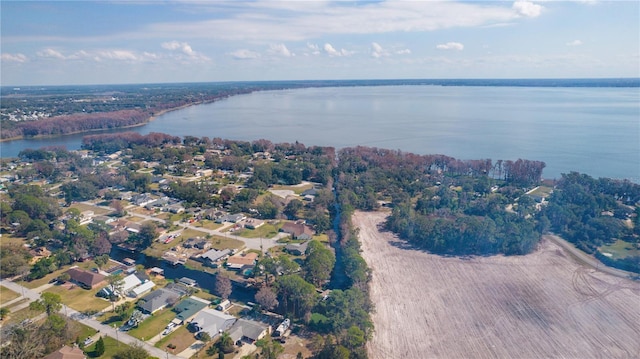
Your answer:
<point x="88" y="341"/>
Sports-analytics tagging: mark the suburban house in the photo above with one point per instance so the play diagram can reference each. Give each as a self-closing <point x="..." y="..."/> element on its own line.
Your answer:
<point x="129" y="282"/>
<point x="86" y="217"/>
<point x="233" y="218"/>
<point x="188" y="282"/>
<point x="213" y="256"/>
<point x="253" y="223"/>
<point x="212" y="322"/>
<point x="188" y="308"/>
<point x="248" y="331"/>
<point x="141" y="289"/>
<point x="158" y="299"/>
<point x="67" y="352"/>
<point x="297" y="249"/>
<point x="298" y="230"/>
<point x="197" y="242"/>
<point x="85" y="278"/>
<point x="242" y="260"/>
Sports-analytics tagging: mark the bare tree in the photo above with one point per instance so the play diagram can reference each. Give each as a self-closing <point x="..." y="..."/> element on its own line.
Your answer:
<point x="223" y="285"/>
<point x="267" y="298"/>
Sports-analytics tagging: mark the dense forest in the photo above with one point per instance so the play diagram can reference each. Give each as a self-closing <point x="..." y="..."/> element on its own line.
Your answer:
<point x="443" y="204"/>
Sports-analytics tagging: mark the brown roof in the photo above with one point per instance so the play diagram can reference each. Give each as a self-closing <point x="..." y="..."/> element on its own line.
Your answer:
<point x="296" y="229"/>
<point x="67" y="353"/>
<point x="85" y="277"/>
<point x="246" y="259"/>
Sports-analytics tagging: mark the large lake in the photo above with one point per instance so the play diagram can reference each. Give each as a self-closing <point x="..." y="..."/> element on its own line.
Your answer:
<point x="594" y="130"/>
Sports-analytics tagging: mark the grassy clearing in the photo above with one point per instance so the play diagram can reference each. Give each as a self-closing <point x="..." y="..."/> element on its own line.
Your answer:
<point x="620" y="249"/>
<point x="78" y="298"/>
<point x="542" y="191"/>
<point x="189" y="233"/>
<point x="208" y="224"/>
<point x="266" y="231"/>
<point x="182" y="338"/>
<point x="224" y="242"/>
<point x="205" y="295"/>
<point x="153" y="325"/>
<point x="135" y="219"/>
<point x="321" y="238"/>
<point x="20" y="315"/>
<point x="86" y="207"/>
<point x="7" y="294"/>
<point x="11" y="240"/>
<point x="296" y="188"/>
<point x="111" y="347"/>
<point x="44" y="280"/>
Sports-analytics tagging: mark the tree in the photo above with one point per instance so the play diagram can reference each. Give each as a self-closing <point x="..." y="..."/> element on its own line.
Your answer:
<point x="136" y="351"/>
<point x="225" y="344"/>
<point x="204" y="336"/>
<point x="147" y="234"/>
<point x="223" y="285"/>
<point x="49" y="302"/>
<point x="101" y="260"/>
<point x="116" y="283"/>
<point x="270" y="348"/>
<point x="266" y="298"/>
<point x="295" y="294"/>
<point x="319" y="263"/>
<point x="355" y="337"/>
<point x="4" y="311"/>
<point x="99" y="348"/>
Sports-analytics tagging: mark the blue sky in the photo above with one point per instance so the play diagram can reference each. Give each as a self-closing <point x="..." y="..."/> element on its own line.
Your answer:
<point x="82" y="42"/>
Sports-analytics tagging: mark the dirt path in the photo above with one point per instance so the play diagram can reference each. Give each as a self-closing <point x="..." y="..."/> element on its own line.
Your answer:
<point x="542" y="305"/>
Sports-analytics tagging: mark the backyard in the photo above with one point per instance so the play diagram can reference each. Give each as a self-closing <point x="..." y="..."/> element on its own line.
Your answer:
<point x="78" y="298"/>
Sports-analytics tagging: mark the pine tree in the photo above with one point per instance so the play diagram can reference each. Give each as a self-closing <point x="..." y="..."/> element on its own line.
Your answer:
<point x="99" y="349"/>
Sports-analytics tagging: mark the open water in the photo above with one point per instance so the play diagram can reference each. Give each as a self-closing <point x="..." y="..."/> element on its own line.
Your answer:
<point x="593" y="130"/>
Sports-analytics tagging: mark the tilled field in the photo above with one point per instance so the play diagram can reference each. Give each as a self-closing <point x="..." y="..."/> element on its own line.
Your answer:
<point x="542" y="305"/>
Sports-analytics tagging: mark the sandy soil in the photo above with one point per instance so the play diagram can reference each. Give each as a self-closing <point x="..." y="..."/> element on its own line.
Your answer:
<point x="542" y="305"/>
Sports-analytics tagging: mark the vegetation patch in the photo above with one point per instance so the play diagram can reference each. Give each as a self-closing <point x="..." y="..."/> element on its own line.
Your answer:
<point x="7" y="295"/>
<point x="153" y="325"/>
<point x="87" y="207"/>
<point x="620" y="249"/>
<point x="265" y="231"/>
<point x="181" y="338"/>
<point x="111" y="347"/>
<point x="78" y="298"/>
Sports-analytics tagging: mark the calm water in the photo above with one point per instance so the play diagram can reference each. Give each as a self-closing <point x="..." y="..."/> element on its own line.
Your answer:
<point x="590" y="130"/>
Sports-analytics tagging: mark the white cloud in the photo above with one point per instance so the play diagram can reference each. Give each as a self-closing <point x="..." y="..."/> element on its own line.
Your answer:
<point x="15" y="57"/>
<point x="451" y="46"/>
<point x="282" y="21"/>
<point x="574" y="43"/>
<point x="281" y="50"/>
<point x="527" y="8"/>
<point x="51" y="53"/>
<point x="184" y="48"/>
<point x="121" y="55"/>
<point x="314" y="48"/>
<point x="244" y="54"/>
<point x="331" y="51"/>
<point x="403" y="52"/>
<point x="377" y="50"/>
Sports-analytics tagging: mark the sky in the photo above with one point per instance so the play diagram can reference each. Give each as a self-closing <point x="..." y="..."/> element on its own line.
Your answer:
<point x="116" y="42"/>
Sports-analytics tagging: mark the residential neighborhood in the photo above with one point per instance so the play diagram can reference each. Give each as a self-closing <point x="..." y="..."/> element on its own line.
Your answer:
<point x="124" y="232"/>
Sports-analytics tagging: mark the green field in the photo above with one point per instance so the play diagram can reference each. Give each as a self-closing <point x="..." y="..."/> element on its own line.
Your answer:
<point x="266" y="231"/>
<point x="153" y="325"/>
<point x="7" y="294"/>
<point x="111" y="347"/>
<point x="78" y="298"/>
<point x="180" y="337"/>
<point x="620" y="249"/>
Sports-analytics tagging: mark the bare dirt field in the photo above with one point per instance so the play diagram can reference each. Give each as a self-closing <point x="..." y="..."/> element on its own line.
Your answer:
<point x="542" y="305"/>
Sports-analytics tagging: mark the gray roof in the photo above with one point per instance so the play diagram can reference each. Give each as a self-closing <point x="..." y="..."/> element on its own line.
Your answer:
<point x="214" y="255"/>
<point x="247" y="328"/>
<point x="212" y="321"/>
<point x="157" y="300"/>
<point x="188" y="307"/>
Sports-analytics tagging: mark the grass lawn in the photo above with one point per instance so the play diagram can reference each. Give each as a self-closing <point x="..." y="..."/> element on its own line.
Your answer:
<point x="85" y="207"/>
<point x="205" y="295"/>
<point x="7" y="294"/>
<point x="135" y="219"/>
<point x="321" y="238"/>
<point x="78" y="298"/>
<point x="11" y="240"/>
<point x="224" y="242"/>
<point x="153" y="325"/>
<point x="296" y="188"/>
<point x="542" y="191"/>
<point x="620" y="249"/>
<point x="111" y="347"/>
<point x="44" y="280"/>
<point x="208" y="224"/>
<point x="182" y="338"/>
<point x="266" y="230"/>
<point x="19" y="316"/>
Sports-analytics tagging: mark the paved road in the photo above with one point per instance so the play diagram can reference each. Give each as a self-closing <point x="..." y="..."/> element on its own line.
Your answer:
<point x="587" y="259"/>
<point x="101" y="328"/>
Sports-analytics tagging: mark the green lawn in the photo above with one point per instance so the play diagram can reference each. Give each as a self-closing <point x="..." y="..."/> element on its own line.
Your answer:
<point x="182" y="338"/>
<point x="266" y="231"/>
<point x="78" y="298"/>
<point x="19" y="316"/>
<point x="620" y="249"/>
<point x="85" y="207"/>
<point x="297" y="188"/>
<point x="220" y="243"/>
<point x="111" y="347"/>
<point x="153" y="325"/>
<point x="208" y="224"/>
<point x="7" y="294"/>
